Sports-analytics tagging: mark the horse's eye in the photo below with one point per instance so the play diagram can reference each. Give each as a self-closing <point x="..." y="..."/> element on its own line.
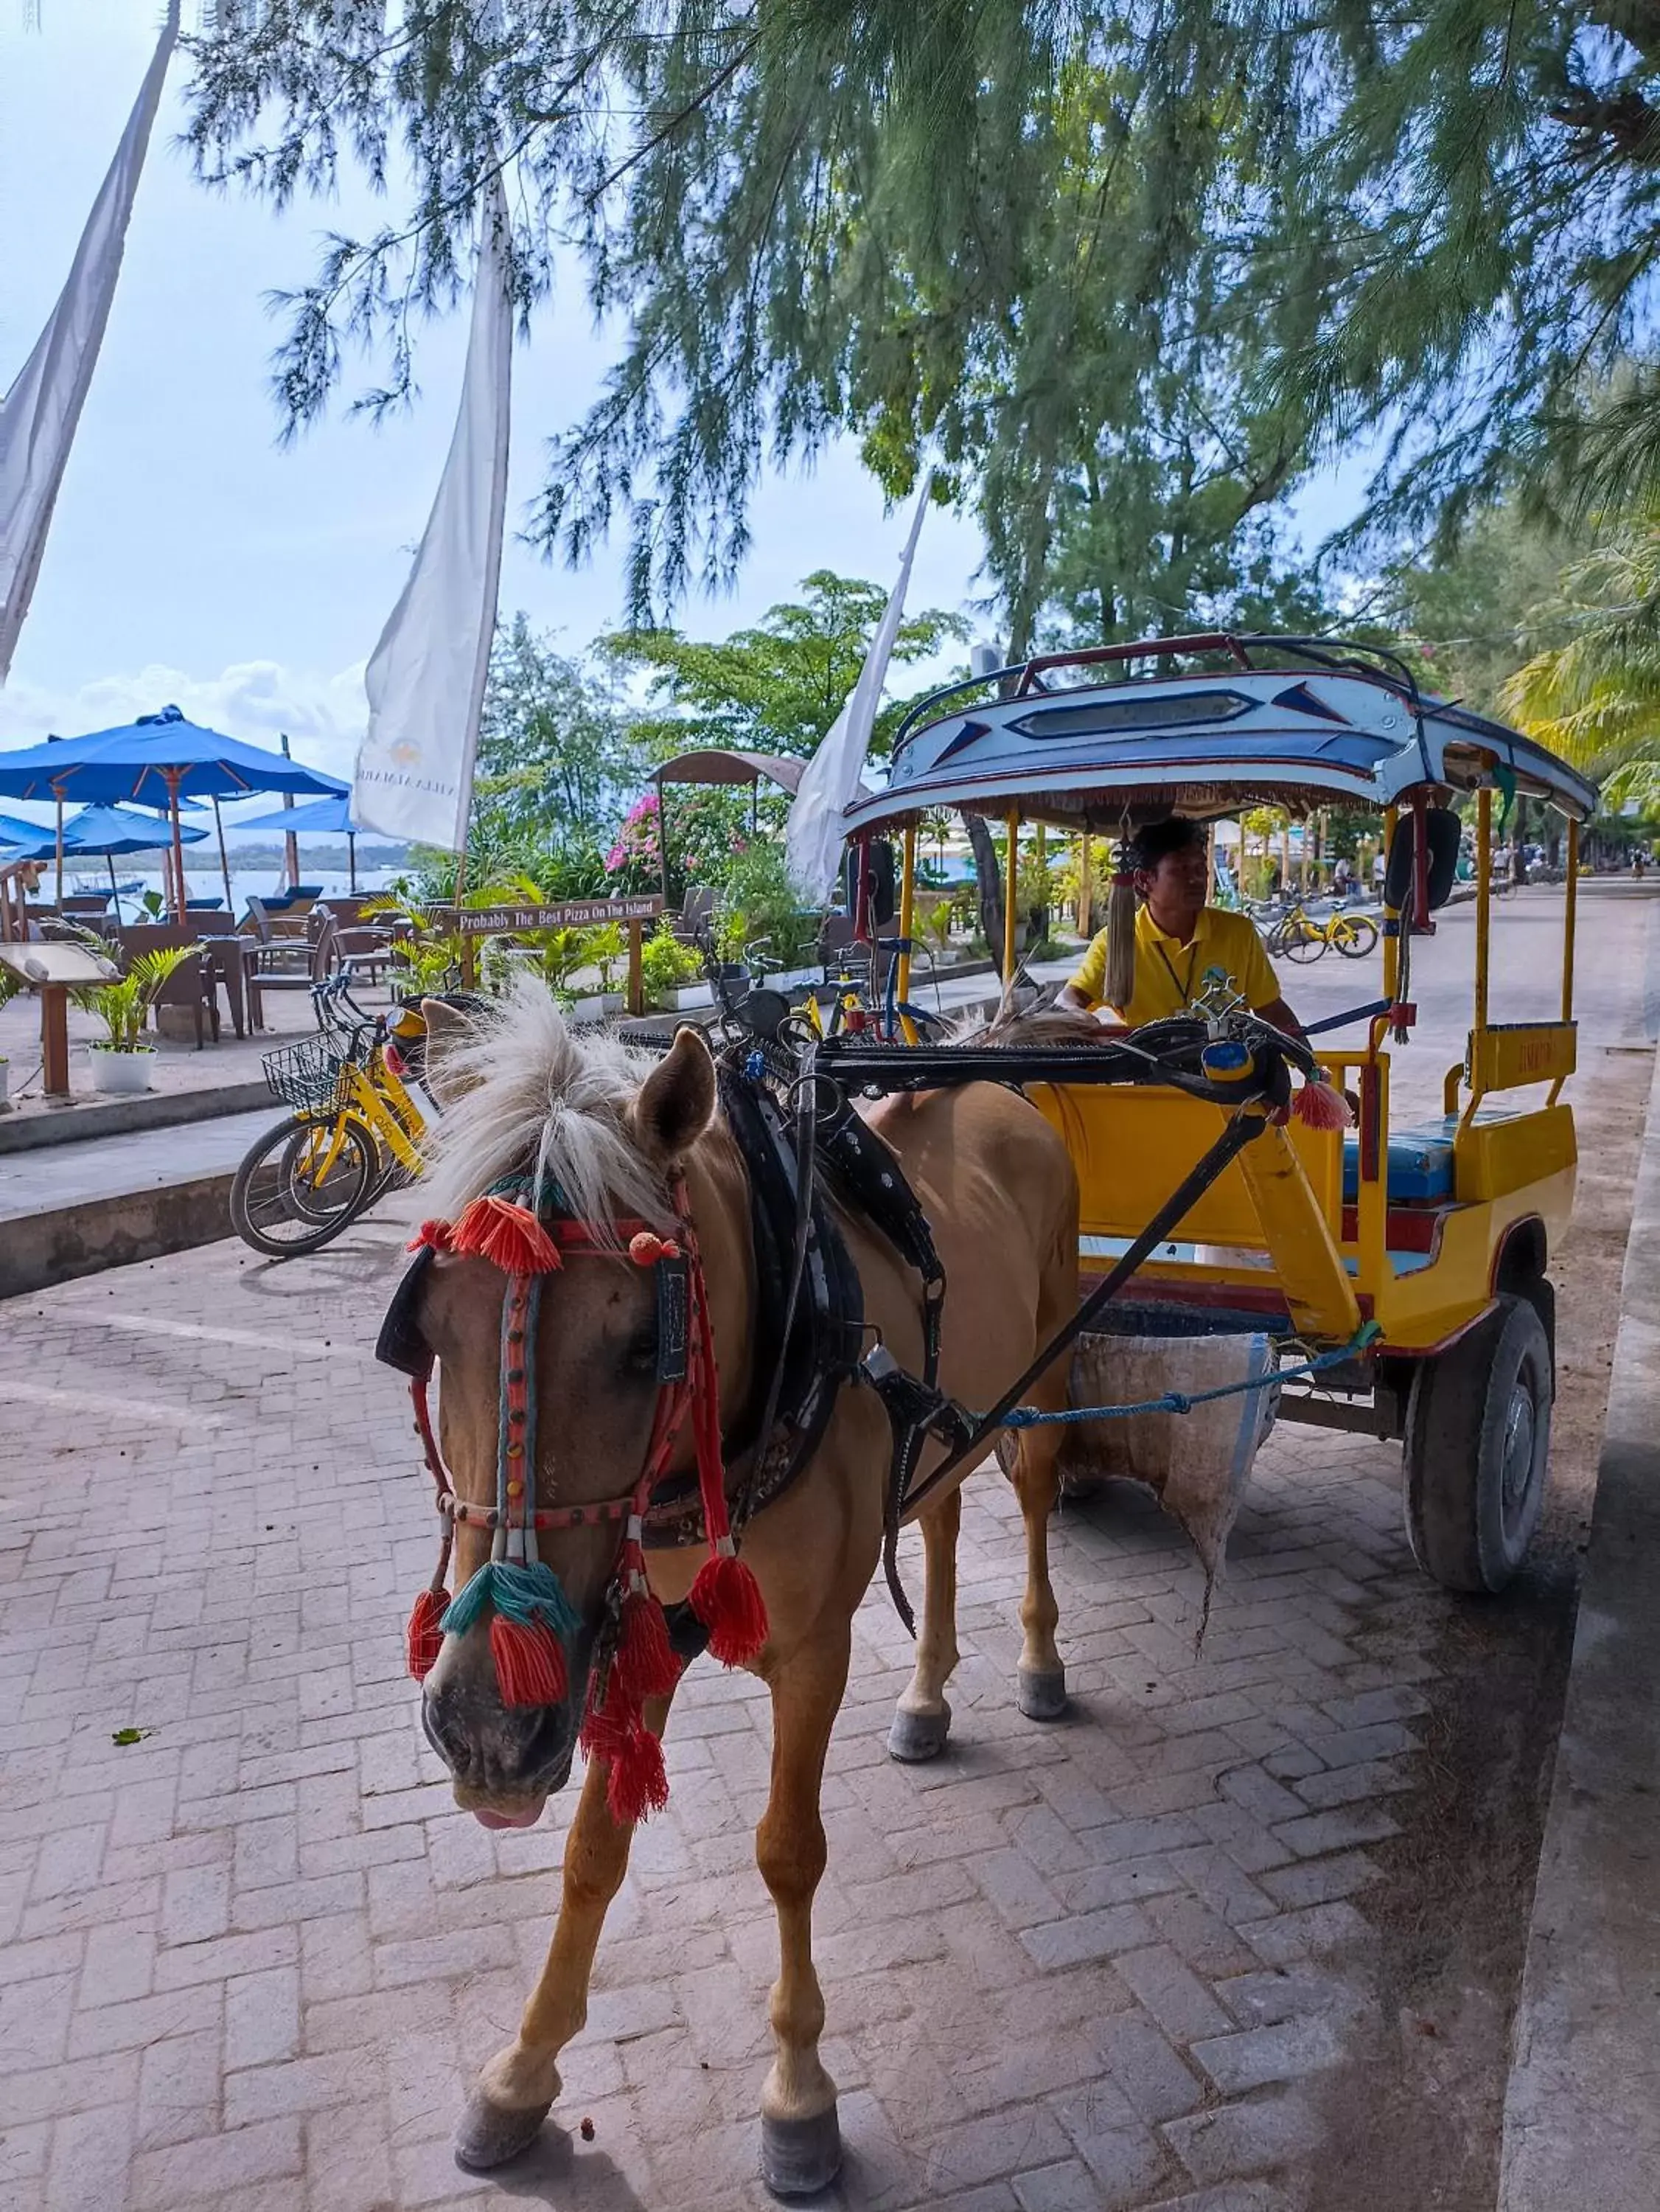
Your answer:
<point x="639" y="1354"/>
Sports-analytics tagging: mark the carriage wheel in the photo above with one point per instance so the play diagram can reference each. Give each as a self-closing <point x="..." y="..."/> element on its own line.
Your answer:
<point x="1477" y="1450"/>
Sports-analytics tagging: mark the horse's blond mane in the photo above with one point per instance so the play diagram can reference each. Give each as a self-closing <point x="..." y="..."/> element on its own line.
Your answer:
<point x="529" y="1096"/>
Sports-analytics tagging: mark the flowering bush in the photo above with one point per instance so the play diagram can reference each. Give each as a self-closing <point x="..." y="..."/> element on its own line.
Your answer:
<point x="636" y="858"/>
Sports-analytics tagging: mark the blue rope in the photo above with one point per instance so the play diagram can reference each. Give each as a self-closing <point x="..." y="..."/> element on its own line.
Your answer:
<point x="1181" y="1401"/>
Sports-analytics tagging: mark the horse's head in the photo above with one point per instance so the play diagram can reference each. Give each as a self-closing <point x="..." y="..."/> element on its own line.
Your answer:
<point x="578" y="1359"/>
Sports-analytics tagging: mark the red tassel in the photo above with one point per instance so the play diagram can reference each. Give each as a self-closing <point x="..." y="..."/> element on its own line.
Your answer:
<point x="606" y="1728"/>
<point x="646" y="1663"/>
<point x="1318" y="1106"/>
<point x="727" y="1599"/>
<point x="433" y="1233"/>
<point x="530" y="1662"/>
<point x="508" y="1235"/>
<point x="425" y="1639"/>
<point x="638" y="1785"/>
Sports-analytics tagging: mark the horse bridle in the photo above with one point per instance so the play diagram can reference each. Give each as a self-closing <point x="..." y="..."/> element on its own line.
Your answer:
<point x="528" y="1232"/>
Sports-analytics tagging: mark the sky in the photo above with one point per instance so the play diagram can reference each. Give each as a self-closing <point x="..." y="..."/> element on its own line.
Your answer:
<point x="193" y="558"/>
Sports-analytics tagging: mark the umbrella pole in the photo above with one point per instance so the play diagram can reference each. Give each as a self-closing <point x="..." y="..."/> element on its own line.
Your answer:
<point x="351" y="863"/>
<point x="60" y="847"/>
<point x="115" y="889"/>
<point x="224" y="865"/>
<point x="177" y="850"/>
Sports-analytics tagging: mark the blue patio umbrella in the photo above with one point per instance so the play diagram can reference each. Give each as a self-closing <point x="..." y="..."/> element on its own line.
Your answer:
<point x="101" y="832"/>
<point x="14" y="830"/>
<point x="160" y="757"/>
<point x="318" y="817"/>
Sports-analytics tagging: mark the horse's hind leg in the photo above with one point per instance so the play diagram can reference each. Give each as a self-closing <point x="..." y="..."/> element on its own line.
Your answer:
<point x="800" y="2139"/>
<point x="517" y="2087"/>
<point x="1040" y="1679"/>
<point x="922" y="1718"/>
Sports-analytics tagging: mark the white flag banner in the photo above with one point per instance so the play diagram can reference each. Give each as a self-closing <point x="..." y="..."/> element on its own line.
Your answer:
<point x="426" y="677"/>
<point x="815" y="831"/>
<point x="39" y="415"/>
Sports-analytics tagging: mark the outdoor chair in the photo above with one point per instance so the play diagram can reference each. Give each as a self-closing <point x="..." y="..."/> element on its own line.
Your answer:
<point x="276" y="967"/>
<point x="695" y="910"/>
<point x="191" y="984"/>
<point x="204" y="906"/>
<point x="836" y="942"/>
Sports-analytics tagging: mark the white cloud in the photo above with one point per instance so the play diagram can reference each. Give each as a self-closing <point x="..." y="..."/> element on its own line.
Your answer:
<point x="257" y="700"/>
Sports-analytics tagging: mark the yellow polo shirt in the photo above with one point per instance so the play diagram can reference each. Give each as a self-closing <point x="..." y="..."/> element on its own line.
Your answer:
<point x="1169" y="975"/>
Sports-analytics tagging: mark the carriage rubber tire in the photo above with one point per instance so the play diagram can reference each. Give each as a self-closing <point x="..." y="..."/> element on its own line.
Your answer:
<point x="313" y="1239"/>
<point x="1477" y="1450"/>
<point x="1358" y="937"/>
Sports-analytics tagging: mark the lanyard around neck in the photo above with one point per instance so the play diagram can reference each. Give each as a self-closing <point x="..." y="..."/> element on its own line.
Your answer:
<point x="1184" y="991"/>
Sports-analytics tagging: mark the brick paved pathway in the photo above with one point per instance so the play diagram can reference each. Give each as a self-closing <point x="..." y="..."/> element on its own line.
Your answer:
<point x="251" y="1961"/>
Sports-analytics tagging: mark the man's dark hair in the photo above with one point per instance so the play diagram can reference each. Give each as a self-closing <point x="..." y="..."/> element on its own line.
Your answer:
<point x="1160" y="839"/>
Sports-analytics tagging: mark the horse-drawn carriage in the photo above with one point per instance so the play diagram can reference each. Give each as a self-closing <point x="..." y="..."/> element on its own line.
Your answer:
<point x="700" y="1360"/>
<point x="1426" y="1249"/>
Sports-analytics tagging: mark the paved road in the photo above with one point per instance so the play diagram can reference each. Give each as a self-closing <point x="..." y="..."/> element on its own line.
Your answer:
<point x="1235" y="1938"/>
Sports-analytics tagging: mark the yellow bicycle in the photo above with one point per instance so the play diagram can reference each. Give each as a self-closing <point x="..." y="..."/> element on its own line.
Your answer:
<point x="354" y="1130"/>
<point x="1301" y="937"/>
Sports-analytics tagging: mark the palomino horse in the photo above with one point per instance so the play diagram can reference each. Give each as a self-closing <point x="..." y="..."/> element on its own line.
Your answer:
<point x="626" y="1138"/>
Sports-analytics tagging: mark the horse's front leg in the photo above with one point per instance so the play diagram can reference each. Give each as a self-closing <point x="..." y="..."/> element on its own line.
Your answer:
<point x="517" y="2087"/>
<point x="800" y="2139"/>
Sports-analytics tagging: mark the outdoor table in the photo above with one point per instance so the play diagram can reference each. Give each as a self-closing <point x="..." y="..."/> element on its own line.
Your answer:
<point x="55" y="970"/>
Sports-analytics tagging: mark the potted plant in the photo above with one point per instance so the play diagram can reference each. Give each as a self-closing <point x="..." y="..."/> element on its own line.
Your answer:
<point x="602" y="947"/>
<point x="122" y="1063"/>
<point x="667" y="969"/>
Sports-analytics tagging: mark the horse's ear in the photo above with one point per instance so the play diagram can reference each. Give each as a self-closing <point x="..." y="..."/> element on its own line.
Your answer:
<point x="676" y="1101"/>
<point x="447" y="1029"/>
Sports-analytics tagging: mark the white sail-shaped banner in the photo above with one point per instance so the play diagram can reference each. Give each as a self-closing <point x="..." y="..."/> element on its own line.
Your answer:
<point x="426" y="677"/>
<point x="813" y="834"/>
<point x="39" y="415"/>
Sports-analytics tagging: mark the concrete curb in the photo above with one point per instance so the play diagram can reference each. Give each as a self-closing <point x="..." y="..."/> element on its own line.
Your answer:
<point x="39" y="1249"/>
<point x="122" y="1117"/>
<point x="1582" y="2110"/>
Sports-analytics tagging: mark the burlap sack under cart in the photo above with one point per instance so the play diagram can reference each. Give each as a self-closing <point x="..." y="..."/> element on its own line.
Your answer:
<point x="1197" y="1463"/>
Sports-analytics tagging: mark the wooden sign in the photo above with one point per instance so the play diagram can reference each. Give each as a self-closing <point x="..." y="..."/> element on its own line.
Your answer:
<point x="574" y="914"/>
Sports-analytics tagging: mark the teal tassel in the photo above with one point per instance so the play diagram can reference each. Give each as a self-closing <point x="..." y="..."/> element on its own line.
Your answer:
<point x="518" y="1593"/>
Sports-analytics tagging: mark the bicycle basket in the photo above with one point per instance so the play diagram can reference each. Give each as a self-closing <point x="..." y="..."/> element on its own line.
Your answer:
<point x="306" y="1076"/>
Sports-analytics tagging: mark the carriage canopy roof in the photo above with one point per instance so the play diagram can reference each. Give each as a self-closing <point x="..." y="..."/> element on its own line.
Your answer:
<point x="1201" y="726"/>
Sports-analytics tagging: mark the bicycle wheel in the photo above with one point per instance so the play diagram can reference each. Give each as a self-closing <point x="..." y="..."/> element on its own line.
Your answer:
<point x="300" y="1184"/>
<point x="1303" y="941"/>
<point x="1354" y="935"/>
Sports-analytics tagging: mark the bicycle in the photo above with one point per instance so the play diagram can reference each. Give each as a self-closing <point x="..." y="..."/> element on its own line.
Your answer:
<point x="1300" y="936"/>
<point x="353" y="1132"/>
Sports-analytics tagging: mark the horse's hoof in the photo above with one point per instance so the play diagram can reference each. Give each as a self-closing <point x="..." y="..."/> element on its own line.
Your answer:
<point x="800" y="2157"/>
<point x="488" y="2135"/>
<point x="915" y="1737"/>
<point x="1041" y="1692"/>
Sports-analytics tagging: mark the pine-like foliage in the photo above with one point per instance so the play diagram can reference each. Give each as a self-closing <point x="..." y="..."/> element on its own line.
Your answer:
<point x="1122" y="269"/>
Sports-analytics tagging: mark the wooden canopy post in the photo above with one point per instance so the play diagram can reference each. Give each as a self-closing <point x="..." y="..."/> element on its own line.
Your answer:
<point x="224" y="861"/>
<point x="636" y="974"/>
<point x="1086" y="898"/>
<point x="1010" y="907"/>
<point x="907" y="911"/>
<point x="1571" y="908"/>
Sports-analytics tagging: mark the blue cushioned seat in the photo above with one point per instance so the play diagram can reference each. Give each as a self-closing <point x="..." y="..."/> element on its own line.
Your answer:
<point x="1419" y="1163"/>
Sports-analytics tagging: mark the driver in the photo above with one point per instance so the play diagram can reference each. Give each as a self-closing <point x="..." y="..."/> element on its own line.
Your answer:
<point x="1178" y="938"/>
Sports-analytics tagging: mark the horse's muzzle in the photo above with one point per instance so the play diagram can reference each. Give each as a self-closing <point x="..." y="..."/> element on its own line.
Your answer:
<point x="503" y="1758"/>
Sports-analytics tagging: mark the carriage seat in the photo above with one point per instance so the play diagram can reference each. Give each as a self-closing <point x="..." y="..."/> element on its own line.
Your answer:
<point x="1419" y="1163"/>
<point x="1420" y="1159"/>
